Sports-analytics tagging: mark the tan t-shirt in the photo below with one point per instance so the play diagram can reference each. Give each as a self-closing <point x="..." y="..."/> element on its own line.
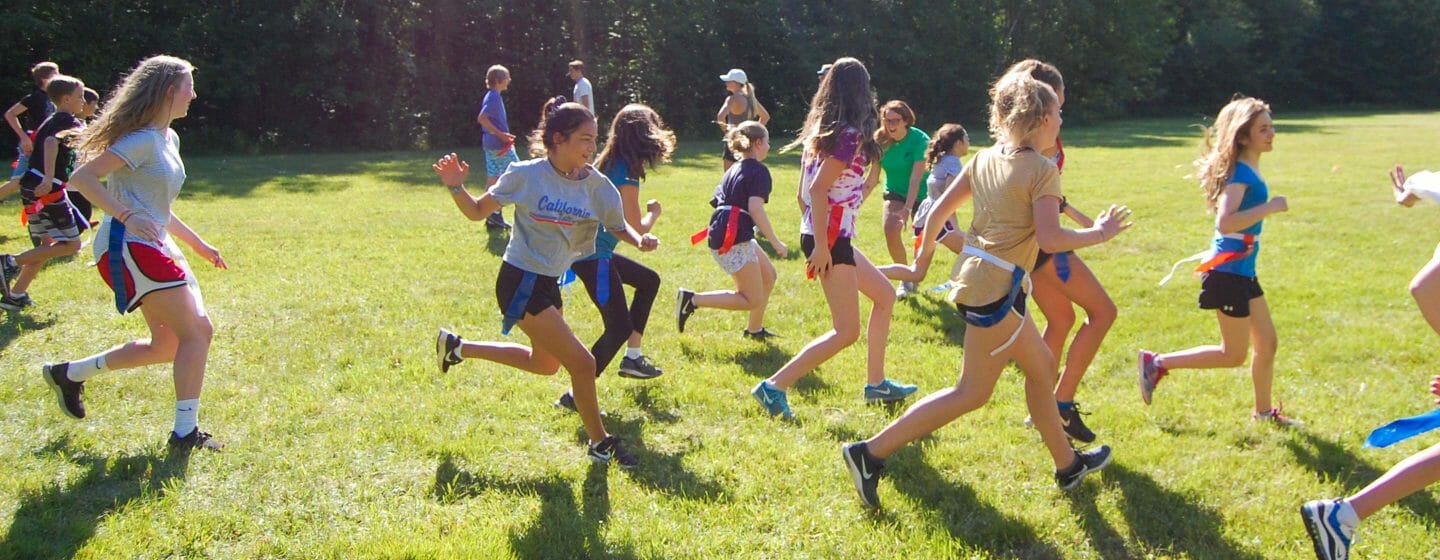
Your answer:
<point x="1005" y="185"/>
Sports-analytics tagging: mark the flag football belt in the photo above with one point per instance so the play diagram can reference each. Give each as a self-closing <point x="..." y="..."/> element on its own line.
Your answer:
<point x="1216" y="259"/>
<point x="1018" y="279"/>
<point x="53" y="197"/>
<point x="116" y="259"/>
<point x="832" y="232"/>
<point x="732" y="228"/>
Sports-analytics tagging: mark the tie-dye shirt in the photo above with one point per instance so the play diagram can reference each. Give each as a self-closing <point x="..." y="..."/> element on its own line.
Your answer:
<point x="847" y="192"/>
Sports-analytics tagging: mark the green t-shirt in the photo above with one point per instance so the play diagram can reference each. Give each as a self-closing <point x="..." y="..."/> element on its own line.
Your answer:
<point x="900" y="159"/>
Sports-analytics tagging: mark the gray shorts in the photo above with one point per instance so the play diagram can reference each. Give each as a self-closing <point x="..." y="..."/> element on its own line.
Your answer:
<point x="740" y="255"/>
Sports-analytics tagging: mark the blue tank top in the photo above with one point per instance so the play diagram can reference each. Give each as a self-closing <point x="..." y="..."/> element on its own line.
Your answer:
<point x="1256" y="193"/>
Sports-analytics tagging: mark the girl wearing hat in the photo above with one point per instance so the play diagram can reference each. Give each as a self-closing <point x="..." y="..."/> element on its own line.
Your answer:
<point x="740" y="106"/>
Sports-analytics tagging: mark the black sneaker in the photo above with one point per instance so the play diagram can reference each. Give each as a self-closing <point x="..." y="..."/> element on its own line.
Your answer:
<point x="447" y="347"/>
<point x="1086" y="462"/>
<point x="195" y="440"/>
<point x="496" y="222"/>
<point x="864" y="470"/>
<point x="639" y="368"/>
<point x="684" y="306"/>
<point x="12" y="302"/>
<point x="1074" y="426"/>
<point x="610" y="449"/>
<point x="567" y="402"/>
<point x="68" y="392"/>
<point x="762" y="334"/>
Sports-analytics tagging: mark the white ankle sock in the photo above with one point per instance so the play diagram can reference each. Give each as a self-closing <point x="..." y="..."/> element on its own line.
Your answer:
<point x="187" y="416"/>
<point x="82" y="370"/>
<point x="1348" y="517"/>
<point x="633" y="352"/>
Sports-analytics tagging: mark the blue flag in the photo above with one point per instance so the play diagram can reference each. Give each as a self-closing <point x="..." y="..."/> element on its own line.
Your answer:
<point x="1403" y="429"/>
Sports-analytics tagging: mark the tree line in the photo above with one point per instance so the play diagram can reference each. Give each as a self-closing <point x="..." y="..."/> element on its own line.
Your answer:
<point x="399" y="74"/>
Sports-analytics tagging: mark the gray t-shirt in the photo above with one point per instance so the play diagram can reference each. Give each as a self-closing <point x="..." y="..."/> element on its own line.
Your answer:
<point x="944" y="171"/>
<point x="583" y="88"/>
<point x="556" y="219"/>
<point x="152" y="175"/>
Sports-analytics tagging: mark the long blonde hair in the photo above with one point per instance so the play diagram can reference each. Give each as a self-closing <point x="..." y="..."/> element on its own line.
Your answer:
<point x="140" y="99"/>
<point x="1018" y="104"/>
<point x="1216" y="163"/>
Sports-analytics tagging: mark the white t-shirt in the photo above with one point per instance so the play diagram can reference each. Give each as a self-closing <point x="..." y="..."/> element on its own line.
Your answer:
<point x="583" y="89"/>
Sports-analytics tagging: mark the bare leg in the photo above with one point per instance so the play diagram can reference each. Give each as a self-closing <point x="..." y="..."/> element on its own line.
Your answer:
<point x="978" y="373"/>
<point x="1262" y="364"/>
<point x="1084" y="289"/>
<point x="895" y="226"/>
<point x="1405" y="478"/>
<point x="175" y="309"/>
<point x="842" y="295"/>
<point x="1425" y="288"/>
<point x="555" y="342"/>
<point x="1234" y="332"/>
<point x="877" y="331"/>
<point x="767" y="280"/>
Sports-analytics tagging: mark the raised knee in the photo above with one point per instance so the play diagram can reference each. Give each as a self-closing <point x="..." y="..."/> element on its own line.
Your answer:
<point x="1232" y="357"/>
<point x="848" y="335"/>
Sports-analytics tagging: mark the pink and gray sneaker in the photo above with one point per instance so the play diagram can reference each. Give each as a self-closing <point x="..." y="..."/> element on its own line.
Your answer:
<point x="1150" y="375"/>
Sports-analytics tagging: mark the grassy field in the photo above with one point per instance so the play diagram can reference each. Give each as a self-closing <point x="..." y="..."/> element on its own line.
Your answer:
<point x="345" y="442"/>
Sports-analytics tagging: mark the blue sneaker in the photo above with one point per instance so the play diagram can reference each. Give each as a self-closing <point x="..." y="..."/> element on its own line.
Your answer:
<point x="888" y="391"/>
<point x="772" y="399"/>
<point x="1330" y="536"/>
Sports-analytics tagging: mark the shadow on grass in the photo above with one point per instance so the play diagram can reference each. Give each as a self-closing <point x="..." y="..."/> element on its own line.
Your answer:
<point x="18" y="323"/>
<point x="495" y="241"/>
<point x="1329" y="459"/>
<point x="961" y="512"/>
<point x="939" y="316"/>
<point x="659" y="471"/>
<point x="756" y="359"/>
<point x="563" y="528"/>
<point x="1162" y="522"/>
<point x="55" y="521"/>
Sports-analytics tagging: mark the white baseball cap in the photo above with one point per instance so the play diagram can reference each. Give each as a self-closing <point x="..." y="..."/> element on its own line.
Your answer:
<point x="735" y="75"/>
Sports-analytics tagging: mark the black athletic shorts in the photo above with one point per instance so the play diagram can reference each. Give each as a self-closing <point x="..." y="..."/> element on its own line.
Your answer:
<point x="725" y="153"/>
<point x="545" y="295"/>
<point x="995" y="306"/>
<point x="1230" y="293"/>
<point x="841" y="253"/>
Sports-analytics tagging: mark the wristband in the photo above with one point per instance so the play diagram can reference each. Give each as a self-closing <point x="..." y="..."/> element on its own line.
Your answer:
<point x="1063" y="203"/>
<point x="456" y="188"/>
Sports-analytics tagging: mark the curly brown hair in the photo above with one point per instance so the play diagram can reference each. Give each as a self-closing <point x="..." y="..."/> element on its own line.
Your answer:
<point x="639" y="138"/>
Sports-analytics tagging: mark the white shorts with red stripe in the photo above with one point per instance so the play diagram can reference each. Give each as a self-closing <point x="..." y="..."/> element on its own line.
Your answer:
<point x="149" y="268"/>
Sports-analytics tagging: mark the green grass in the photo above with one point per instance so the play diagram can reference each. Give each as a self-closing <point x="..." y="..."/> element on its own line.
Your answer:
<point x="344" y="441"/>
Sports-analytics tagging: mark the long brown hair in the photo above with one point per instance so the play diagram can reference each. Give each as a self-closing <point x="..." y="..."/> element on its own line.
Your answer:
<point x="843" y="100"/>
<point x="639" y="138"/>
<point x="140" y="100"/>
<point x="1216" y="163"/>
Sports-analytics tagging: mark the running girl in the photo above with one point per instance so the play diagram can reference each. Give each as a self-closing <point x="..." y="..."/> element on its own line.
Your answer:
<point x="1229" y="171"/>
<point x="739" y="203"/>
<point x="135" y="251"/>
<point x="1331" y="523"/>
<point x="949" y="144"/>
<point x="561" y="202"/>
<point x="1063" y="280"/>
<point x="903" y="161"/>
<point x="1017" y="200"/>
<point x="637" y="139"/>
<point x="838" y="138"/>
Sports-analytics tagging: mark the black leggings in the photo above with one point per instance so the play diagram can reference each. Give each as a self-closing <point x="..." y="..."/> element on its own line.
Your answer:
<point x="619" y="321"/>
